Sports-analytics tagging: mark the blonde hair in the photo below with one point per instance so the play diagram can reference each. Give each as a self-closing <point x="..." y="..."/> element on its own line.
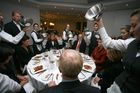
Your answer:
<point x="113" y="54"/>
<point x="70" y="63"/>
<point x="16" y="11"/>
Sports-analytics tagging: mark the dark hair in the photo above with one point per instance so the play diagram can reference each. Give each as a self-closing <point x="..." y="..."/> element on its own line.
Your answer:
<point x="35" y="24"/>
<point x="95" y="24"/>
<point x="14" y="12"/>
<point x="126" y="27"/>
<point x="5" y="52"/>
<point x="24" y="39"/>
<point x="136" y="12"/>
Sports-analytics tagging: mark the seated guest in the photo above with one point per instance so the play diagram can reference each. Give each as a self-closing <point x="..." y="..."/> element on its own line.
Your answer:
<point x="52" y="43"/>
<point x="70" y="65"/>
<point x="5" y="68"/>
<point x="23" y="52"/>
<point x="99" y="55"/>
<point x="113" y="67"/>
<point x="80" y="44"/>
<point x="61" y="42"/>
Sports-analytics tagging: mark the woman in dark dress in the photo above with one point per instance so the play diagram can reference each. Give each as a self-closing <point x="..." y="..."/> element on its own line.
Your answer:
<point x="24" y="52"/>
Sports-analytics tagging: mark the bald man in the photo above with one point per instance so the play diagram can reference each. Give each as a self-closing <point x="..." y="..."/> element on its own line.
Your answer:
<point x="70" y="65"/>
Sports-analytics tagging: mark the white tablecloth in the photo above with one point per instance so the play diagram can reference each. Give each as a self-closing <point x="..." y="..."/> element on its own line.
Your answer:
<point x="49" y="62"/>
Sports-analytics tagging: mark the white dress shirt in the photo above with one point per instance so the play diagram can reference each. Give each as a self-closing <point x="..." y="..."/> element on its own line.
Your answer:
<point x="115" y="44"/>
<point x="64" y="35"/>
<point x="9" y="38"/>
<point x="37" y="40"/>
<point x="7" y="84"/>
<point x="119" y="44"/>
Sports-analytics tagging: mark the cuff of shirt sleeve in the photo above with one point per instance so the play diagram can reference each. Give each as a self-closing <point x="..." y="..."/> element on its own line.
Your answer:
<point x="22" y="32"/>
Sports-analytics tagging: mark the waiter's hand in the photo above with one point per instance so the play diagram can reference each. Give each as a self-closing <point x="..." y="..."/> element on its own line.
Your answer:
<point x="25" y="29"/>
<point x="99" y="22"/>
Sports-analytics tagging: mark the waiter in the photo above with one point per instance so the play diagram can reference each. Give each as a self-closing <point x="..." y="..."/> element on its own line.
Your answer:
<point x="13" y="32"/>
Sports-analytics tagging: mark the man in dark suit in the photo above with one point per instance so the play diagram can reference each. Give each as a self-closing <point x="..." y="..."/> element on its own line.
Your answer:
<point x="80" y="44"/>
<point x="70" y="65"/>
<point x="93" y="39"/>
<point x="52" y="43"/>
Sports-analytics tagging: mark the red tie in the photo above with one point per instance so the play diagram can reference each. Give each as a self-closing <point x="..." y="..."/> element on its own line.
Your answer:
<point x="78" y="45"/>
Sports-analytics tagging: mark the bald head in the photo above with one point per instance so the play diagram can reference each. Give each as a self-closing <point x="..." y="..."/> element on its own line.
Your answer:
<point x="80" y="36"/>
<point x="70" y="63"/>
<point x="68" y="27"/>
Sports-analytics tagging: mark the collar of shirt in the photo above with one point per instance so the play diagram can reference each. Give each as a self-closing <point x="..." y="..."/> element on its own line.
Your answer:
<point x="35" y="30"/>
<point x="64" y="80"/>
<point x="17" y="25"/>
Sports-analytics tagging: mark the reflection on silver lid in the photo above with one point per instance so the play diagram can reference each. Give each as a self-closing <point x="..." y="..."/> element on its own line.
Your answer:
<point x="94" y="12"/>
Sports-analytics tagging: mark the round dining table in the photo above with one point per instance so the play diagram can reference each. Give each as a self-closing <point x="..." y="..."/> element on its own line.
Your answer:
<point x="43" y="68"/>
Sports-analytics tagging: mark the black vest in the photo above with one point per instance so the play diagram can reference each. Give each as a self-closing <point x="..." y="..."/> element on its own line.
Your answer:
<point x="129" y="79"/>
<point x="13" y="30"/>
<point x="38" y="36"/>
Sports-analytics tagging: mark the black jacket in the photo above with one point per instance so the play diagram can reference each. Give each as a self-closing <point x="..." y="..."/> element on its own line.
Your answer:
<point x="129" y="79"/>
<point x="49" y="45"/>
<point x="24" y="56"/>
<point x="82" y="46"/>
<point x="71" y="87"/>
<point x="93" y="43"/>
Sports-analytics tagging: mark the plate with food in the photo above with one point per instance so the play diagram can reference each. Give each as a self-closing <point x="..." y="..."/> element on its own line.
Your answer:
<point x="88" y="67"/>
<point x="37" y="57"/>
<point x="86" y="57"/>
<point x="37" y="69"/>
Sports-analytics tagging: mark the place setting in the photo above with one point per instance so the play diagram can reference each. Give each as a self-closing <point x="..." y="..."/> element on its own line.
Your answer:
<point x="51" y="76"/>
